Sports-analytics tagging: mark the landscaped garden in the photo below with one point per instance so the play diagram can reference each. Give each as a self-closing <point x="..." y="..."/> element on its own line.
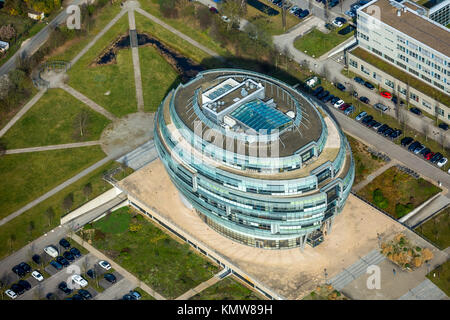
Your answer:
<point x="398" y="193"/>
<point x="437" y="229"/>
<point x="440" y="276"/>
<point x="227" y="289"/>
<point x="169" y="267"/>
<point x="325" y="292"/>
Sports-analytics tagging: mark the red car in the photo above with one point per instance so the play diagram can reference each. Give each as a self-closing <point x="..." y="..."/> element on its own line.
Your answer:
<point x="429" y="155"/>
<point x="213" y="10"/>
<point x="344" y="106"/>
<point x="386" y="94"/>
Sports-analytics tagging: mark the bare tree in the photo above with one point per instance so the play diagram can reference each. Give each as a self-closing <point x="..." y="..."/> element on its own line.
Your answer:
<point x="12" y="240"/>
<point x="87" y="190"/>
<point x="7" y="32"/>
<point x="50" y="213"/>
<point x="325" y="72"/>
<point x="283" y="14"/>
<point x="31" y="227"/>
<point x="68" y="202"/>
<point x="81" y="122"/>
<point x="425" y="129"/>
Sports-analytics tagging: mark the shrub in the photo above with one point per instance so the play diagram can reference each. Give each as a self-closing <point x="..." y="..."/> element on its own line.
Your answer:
<point x="402" y="209"/>
<point x="379" y="199"/>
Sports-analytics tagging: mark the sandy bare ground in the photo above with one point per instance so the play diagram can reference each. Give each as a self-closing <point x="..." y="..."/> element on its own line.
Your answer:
<point x="291" y="273"/>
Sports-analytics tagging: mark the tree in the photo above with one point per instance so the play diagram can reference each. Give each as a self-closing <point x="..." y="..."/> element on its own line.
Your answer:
<point x="68" y="202"/>
<point x="168" y="8"/>
<point x="234" y="10"/>
<point x="50" y="213"/>
<point x="2" y="147"/>
<point x="204" y="17"/>
<point x="12" y="240"/>
<point x="31" y="227"/>
<point x="81" y="122"/>
<point x="7" y="32"/>
<point x="87" y="190"/>
<point x="283" y="14"/>
<point x="425" y="129"/>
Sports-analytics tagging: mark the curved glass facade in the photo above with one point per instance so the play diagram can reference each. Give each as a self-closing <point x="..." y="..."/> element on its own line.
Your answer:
<point x="268" y="202"/>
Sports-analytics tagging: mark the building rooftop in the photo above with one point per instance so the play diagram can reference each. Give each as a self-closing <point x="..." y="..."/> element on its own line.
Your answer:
<point x="414" y="25"/>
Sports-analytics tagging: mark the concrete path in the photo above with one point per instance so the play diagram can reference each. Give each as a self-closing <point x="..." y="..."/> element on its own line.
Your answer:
<point x="54" y="147"/>
<point x="202" y="286"/>
<point x="118" y="268"/>
<point x="55" y="190"/>
<point x="136" y="65"/>
<point x="94" y="106"/>
<point x="22" y="112"/>
<point x="426" y="290"/>
<point x="373" y="175"/>
<point x="98" y="36"/>
<point x="180" y="34"/>
<point x="435" y="206"/>
<point x="141" y="156"/>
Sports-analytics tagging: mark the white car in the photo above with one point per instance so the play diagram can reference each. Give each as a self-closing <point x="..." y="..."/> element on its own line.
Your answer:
<point x="226" y="19"/>
<point x="442" y="162"/>
<point x="11" y="294"/>
<point x="339" y="103"/>
<point x="104" y="264"/>
<point x="292" y="10"/>
<point x="337" y="23"/>
<point x="51" y="251"/>
<point x="37" y="275"/>
<point x="79" y="280"/>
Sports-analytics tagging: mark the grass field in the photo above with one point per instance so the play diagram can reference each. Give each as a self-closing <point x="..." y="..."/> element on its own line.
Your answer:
<point x="27" y="176"/>
<point x="365" y="163"/>
<point x="441" y="277"/>
<point x="117" y="78"/>
<point x="20" y="225"/>
<point x="52" y="120"/>
<point x="164" y="264"/>
<point x="437" y="229"/>
<point x="158" y="77"/>
<point x="316" y="43"/>
<point x="227" y="289"/>
<point x="398" y="193"/>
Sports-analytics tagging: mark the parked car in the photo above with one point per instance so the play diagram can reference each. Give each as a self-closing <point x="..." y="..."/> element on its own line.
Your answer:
<point x="334" y="100"/>
<point x="382" y="129"/>
<point x="91" y="273"/>
<point x="413" y="146"/>
<point x="317" y="91"/>
<point x="442" y="162"/>
<point x="25" y="267"/>
<point x="36" y="258"/>
<point x="76" y="253"/>
<point x="18" y="289"/>
<point x="394" y="99"/>
<point x="110" y="277"/>
<point x="64" y="243"/>
<point x="25" y="284"/>
<point x="136" y="295"/>
<point x="443" y="126"/>
<point x="79" y="280"/>
<point x="380" y="107"/>
<point x="64" y="288"/>
<point x="437" y="157"/>
<point x="333" y="3"/>
<point x="62" y="261"/>
<point x="428" y="155"/>
<point x="339" y="103"/>
<point x="11" y="294"/>
<point x="329" y="26"/>
<point x="323" y="94"/>
<point x="128" y="297"/>
<point x="37" y="275"/>
<point x="51" y="296"/>
<point x="340" y="86"/>
<point x="386" y="94"/>
<point x="68" y="256"/>
<point x="377" y="125"/>
<point x="344" y="106"/>
<point x="364" y="99"/>
<point x="85" y="294"/>
<point x="19" y="271"/>
<point x="419" y="149"/>
<point x="349" y="110"/>
<point x="361" y="115"/>
<point x="337" y="23"/>
<point x="388" y="132"/>
<point x="359" y="80"/>
<point x="369" y="85"/>
<point x="51" y="251"/>
<point x="213" y="10"/>
<point x="104" y="264"/>
<point x="367" y="119"/>
<point x="304" y="14"/>
<point x="394" y="135"/>
<point x="371" y="123"/>
<point x="56" y="265"/>
<point x="350" y="13"/>
<point x="416" y="111"/>
<point x="406" y="141"/>
<point x="76" y="296"/>
<point x="226" y="19"/>
<point x="328" y="98"/>
<point x="293" y="8"/>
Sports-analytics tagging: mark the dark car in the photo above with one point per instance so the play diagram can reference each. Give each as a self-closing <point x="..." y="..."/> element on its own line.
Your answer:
<point x="443" y="126"/>
<point x="297" y="12"/>
<point x="371" y="123"/>
<point x="394" y="99"/>
<point x="359" y="80"/>
<point x="329" y="26"/>
<point x="25" y="267"/>
<point x="136" y="295"/>
<point x="64" y="288"/>
<point x="328" y="98"/>
<point x="62" y="261"/>
<point x="334" y="100"/>
<point x="323" y="94"/>
<point x="128" y="297"/>
<point x="369" y="85"/>
<point x="405" y="141"/>
<point x="25" y="284"/>
<point x="68" y="256"/>
<point x="110" y="277"/>
<point x="388" y="132"/>
<point x="425" y="151"/>
<point x="333" y="3"/>
<point x="76" y="253"/>
<point x="413" y="146"/>
<point x="36" y="258"/>
<point x="317" y="91"/>
<point x="77" y="297"/>
<point x="303" y="14"/>
<point x="340" y="86"/>
<point x="85" y="294"/>
<point x="56" y="265"/>
<point x="382" y="129"/>
<point x="91" y="273"/>
<point x="364" y="99"/>
<point x="341" y="19"/>
<point x="213" y="10"/>
<point x="395" y="134"/>
<point x="51" y="296"/>
<point x="437" y="156"/>
<point x="416" y="111"/>
<point x="19" y="271"/>
<point x="18" y="289"/>
<point x="64" y="243"/>
<point x="367" y="119"/>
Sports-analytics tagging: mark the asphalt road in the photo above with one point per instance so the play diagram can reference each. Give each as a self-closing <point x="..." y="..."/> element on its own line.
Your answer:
<point x="37" y="41"/>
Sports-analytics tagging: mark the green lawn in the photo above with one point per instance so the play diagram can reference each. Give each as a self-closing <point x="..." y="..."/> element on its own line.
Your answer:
<point x="26" y="176"/>
<point x="441" y="277"/>
<point x="397" y="192"/>
<point x="365" y="163"/>
<point x="20" y="225"/>
<point x="158" y="77"/>
<point x="117" y="78"/>
<point x="227" y="289"/>
<point x="316" y="43"/>
<point x="53" y="120"/>
<point x="437" y="229"/>
<point x="167" y="266"/>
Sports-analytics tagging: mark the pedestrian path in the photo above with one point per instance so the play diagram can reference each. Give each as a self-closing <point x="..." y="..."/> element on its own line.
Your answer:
<point x="426" y="290"/>
<point x="136" y="63"/>
<point x="141" y="156"/>
<point x="54" y="147"/>
<point x="202" y="286"/>
<point x="356" y="270"/>
<point x="373" y="175"/>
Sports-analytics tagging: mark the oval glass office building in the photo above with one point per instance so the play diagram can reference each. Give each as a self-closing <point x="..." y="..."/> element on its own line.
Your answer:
<point x="254" y="158"/>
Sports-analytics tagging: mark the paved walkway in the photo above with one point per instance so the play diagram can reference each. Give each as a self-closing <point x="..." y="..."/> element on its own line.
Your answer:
<point x="94" y="106"/>
<point x="22" y="112"/>
<point x="141" y="156"/>
<point x="98" y="36"/>
<point x="426" y="290"/>
<point x="373" y="175"/>
<point x="118" y="268"/>
<point x="136" y="65"/>
<point x="55" y="190"/>
<point x="180" y="34"/>
<point x="427" y="211"/>
<point x="202" y="286"/>
<point x="54" y="147"/>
